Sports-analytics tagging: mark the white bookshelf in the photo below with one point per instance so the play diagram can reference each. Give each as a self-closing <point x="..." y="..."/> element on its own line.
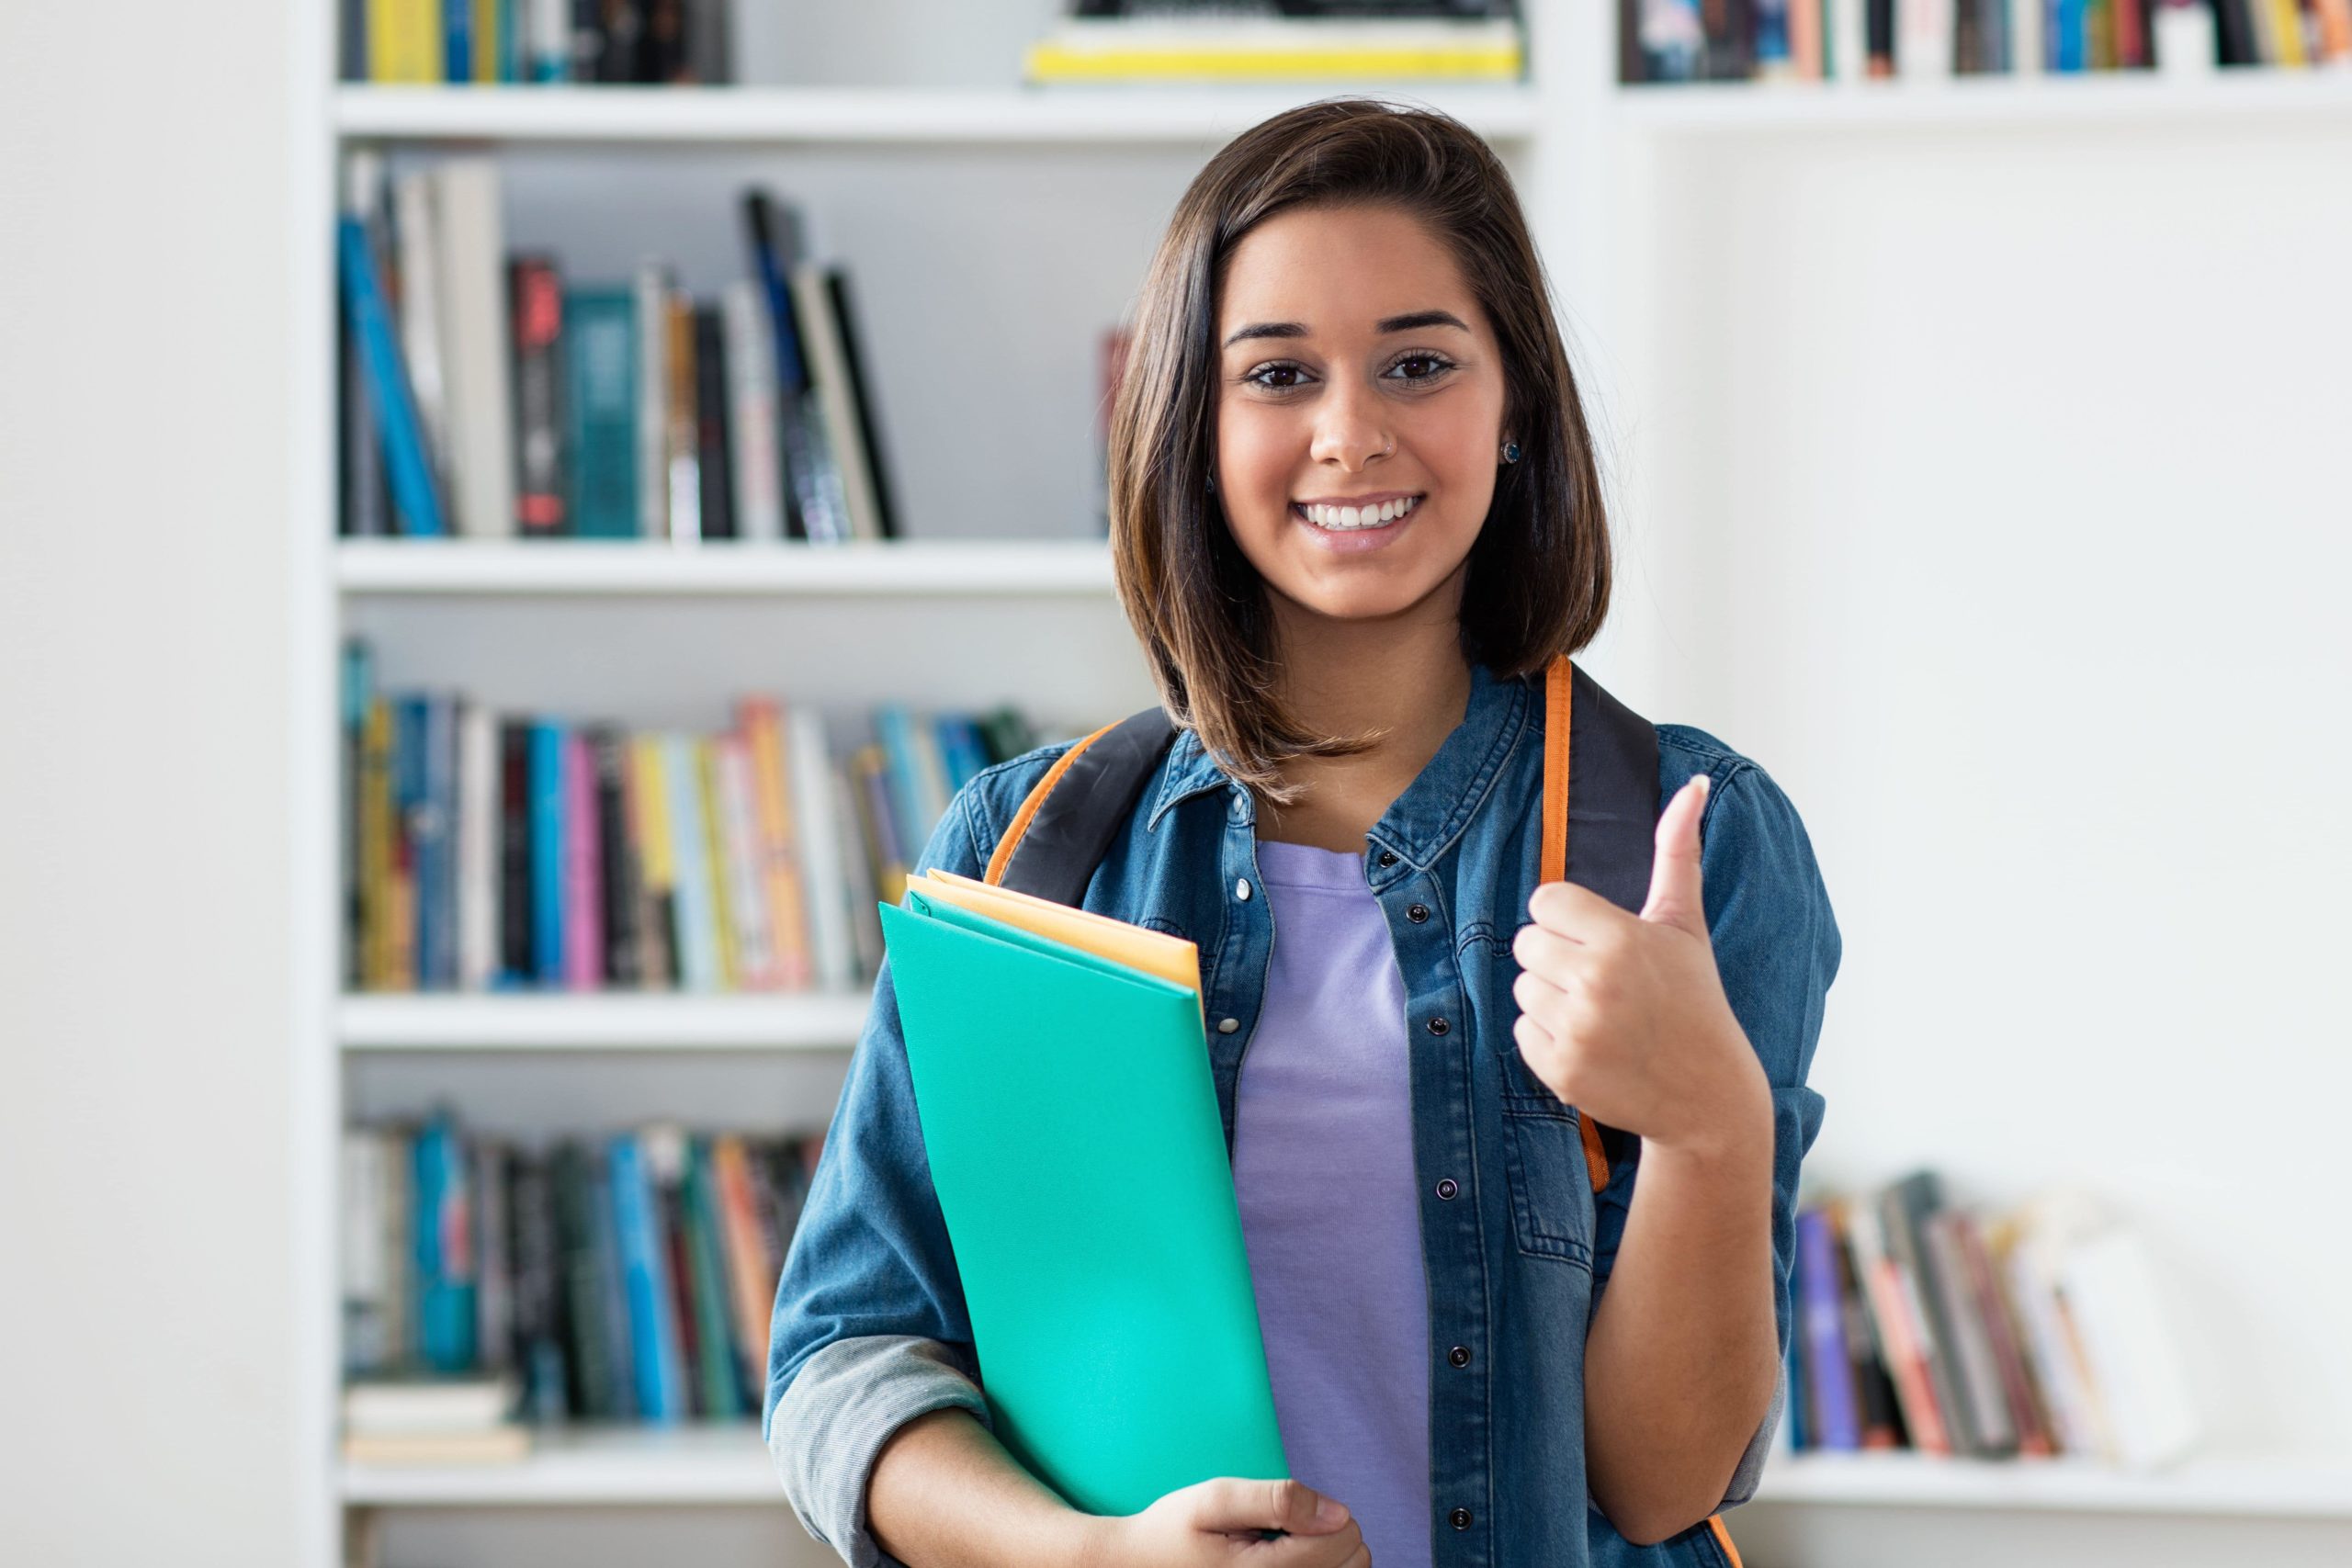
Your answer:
<point x="1006" y="568"/>
<point x="1580" y="146"/>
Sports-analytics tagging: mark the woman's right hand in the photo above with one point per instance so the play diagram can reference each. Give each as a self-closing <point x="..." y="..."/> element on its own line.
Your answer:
<point x="1220" y="1523"/>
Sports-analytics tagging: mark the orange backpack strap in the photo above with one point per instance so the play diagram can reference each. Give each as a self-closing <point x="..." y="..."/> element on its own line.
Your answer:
<point x="1611" y="796"/>
<point x="1069" y="817"/>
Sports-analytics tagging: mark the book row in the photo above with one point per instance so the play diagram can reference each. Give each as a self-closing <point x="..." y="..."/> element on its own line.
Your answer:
<point x="486" y="42"/>
<point x="1919" y="1323"/>
<point x="486" y="394"/>
<point x="1353" y="40"/>
<point x="628" y="1276"/>
<point x="1685" y="40"/>
<point x="496" y="852"/>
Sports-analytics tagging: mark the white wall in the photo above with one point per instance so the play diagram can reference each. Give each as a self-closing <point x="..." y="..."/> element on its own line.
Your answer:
<point x="1997" y="505"/>
<point x="143" y="1012"/>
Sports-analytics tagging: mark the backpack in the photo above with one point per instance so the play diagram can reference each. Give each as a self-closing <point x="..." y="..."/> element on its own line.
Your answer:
<point x="1065" y="823"/>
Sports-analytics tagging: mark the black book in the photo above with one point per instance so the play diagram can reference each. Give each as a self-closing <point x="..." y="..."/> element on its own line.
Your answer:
<point x="1903" y="1209"/>
<point x="619" y="876"/>
<point x="588" y="40"/>
<point x="535" y="306"/>
<point x="1878" y="36"/>
<point x="2234" y="26"/>
<point x="774" y="229"/>
<point x="536" y="1349"/>
<point x="514" y="960"/>
<point x="597" y="1390"/>
<point x="837" y="289"/>
<point x="713" y="447"/>
<point x="621" y="60"/>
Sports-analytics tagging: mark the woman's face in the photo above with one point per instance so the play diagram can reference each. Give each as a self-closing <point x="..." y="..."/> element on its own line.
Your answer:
<point x="1356" y="372"/>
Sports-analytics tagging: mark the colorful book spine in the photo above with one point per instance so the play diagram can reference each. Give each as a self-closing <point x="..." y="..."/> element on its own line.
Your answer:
<point x="1827" y="1365"/>
<point x="444" y="1249"/>
<point x="584" y="892"/>
<point x="653" y="1329"/>
<point x="697" y="917"/>
<point x="546" y="797"/>
<point x="415" y="493"/>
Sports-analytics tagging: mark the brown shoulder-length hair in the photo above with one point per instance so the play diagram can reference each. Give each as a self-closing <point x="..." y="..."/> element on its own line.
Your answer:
<point x="1539" y="574"/>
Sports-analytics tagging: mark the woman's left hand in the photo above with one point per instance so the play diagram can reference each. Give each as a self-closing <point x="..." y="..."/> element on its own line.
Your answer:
<point x="1624" y="1017"/>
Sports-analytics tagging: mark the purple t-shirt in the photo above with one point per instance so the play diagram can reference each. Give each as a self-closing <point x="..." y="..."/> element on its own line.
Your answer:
<point x="1323" y="1166"/>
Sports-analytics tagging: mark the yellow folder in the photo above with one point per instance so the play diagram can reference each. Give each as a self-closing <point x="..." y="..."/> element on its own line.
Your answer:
<point x="1157" y="954"/>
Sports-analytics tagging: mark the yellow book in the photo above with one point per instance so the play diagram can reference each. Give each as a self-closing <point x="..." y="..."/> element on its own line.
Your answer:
<point x="715" y="852"/>
<point x="404" y="40"/>
<point x="486" y="40"/>
<point x="1157" y="954"/>
<point x="656" y="867"/>
<point x="2286" y="27"/>
<point x="779" y="857"/>
<point x="379" y="971"/>
<point x="866" y="764"/>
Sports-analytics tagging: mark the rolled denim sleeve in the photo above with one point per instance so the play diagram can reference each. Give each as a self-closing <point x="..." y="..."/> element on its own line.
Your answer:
<point x="1777" y="948"/>
<point x="869" y="1329"/>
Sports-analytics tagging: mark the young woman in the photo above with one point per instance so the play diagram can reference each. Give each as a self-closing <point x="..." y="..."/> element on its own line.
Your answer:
<point x="1357" y="521"/>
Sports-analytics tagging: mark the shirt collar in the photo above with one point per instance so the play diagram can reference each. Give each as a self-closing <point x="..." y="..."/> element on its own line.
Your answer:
<point x="1435" y="808"/>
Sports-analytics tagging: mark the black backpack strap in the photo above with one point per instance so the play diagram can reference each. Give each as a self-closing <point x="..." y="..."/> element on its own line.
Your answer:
<point x="1067" y="823"/>
<point x="1612" y="798"/>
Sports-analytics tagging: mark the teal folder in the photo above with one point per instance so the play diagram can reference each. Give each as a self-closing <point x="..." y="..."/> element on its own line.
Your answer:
<point x="1078" y="1156"/>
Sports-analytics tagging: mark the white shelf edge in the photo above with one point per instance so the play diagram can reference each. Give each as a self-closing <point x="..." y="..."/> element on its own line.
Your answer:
<point x="2269" y="1486"/>
<point x="2112" y="96"/>
<point x="1010" y="567"/>
<point x="791" y="1021"/>
<point x="695" y="1463"/>
<point x="723" y="1462"/>
<point x="1141" y="114"/>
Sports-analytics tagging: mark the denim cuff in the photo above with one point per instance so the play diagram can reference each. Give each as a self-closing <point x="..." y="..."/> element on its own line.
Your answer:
<point x="833" y="1419"/>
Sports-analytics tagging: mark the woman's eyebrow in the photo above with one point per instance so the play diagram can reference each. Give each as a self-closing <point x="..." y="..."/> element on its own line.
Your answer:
<point x="1412" y="322"/>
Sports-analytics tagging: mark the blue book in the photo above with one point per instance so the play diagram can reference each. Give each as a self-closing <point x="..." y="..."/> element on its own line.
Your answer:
<point x="412" y="801"/>
<point x="546" y="793"/>
<point x="894" y="727"/>
<point x="611" y="1285"/>
<point x="960" y="749"/>
<point x="444" y="1255"/>
<point x="697" y="914"/>
<point x="437" y="855"/>
<point x="645" y="1275"/>
<point x="457" y="40"/>
<point x="2067" y="37"/>
<point x="1822" y="1325"/>
<point x="600" y="348"/>
<point x="414" y="492"/>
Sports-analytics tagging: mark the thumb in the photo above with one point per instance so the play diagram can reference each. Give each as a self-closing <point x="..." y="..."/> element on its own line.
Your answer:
<point x="1674" y="899"/>
<point x="1231" y="1504"/>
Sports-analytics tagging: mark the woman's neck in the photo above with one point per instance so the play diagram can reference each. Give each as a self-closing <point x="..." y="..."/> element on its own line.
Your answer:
<point x="1404" y="676"/>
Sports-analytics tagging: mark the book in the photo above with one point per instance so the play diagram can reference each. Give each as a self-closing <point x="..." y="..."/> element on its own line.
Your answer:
<point x="470" y="252"/>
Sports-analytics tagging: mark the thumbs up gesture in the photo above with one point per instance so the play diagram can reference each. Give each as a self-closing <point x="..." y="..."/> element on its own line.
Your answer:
<point x="1624" y="1017"/>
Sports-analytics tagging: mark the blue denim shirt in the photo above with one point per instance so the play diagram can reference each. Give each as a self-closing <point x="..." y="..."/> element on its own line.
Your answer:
<point x="870" y="1330"/>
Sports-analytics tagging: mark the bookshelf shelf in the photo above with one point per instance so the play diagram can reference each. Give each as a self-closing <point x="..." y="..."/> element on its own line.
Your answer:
<point x="2267" y="1487"/>
<point x="724" y="1462"/>
<point x="813" y="1022"/>
<point x="740" y="115"/>
<point x="960" y="568"/>
<point x="2104" y="98"/>
<point x="698" y="1462"/>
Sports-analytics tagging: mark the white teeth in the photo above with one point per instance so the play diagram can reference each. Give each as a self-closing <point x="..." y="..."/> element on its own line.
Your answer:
<point x="1350" y="518"/>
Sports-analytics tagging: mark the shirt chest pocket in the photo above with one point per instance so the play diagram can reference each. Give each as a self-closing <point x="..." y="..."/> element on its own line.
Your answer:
<point x="1551" y="1190"/>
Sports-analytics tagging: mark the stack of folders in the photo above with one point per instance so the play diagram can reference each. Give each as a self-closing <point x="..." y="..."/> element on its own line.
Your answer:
<point x="1079" y="1156"/>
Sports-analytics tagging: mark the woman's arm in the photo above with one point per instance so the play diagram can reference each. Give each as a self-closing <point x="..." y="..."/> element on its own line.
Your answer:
<point x="944" y="1491"/>
<point x="1682" y="1354"/>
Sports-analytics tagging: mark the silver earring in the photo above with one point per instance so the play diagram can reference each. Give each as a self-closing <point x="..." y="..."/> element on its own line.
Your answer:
<point x="1511" y="451"/>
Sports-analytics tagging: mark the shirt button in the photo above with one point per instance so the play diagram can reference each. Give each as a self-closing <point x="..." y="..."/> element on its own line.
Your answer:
<point x="1418" y="913"/>
<point x="1459" y="1518"/>
<point x="1389" y="857"/>
<point x="1227" y="1025"/>
<point x="1439" y="1026"/>
<point x="1459" y="1356"/>
<point x="1241" y="890"/>
<point x="1447" y="1187"/>
<point x="1240" y="808"/>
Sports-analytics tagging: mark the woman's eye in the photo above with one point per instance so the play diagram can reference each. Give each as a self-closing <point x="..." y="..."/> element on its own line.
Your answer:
<point x="1432" y="367"/>
<point x="1259" y="376"/>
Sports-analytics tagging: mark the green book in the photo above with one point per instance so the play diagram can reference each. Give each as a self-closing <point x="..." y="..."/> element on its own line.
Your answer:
<point x="1078" y="1156"/>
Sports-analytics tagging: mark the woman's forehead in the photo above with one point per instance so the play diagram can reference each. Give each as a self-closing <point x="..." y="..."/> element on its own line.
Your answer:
<point x="1339" y="272"/>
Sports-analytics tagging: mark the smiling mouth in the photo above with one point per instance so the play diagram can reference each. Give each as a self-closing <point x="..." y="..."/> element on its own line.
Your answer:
<point x="1353" y="519"/>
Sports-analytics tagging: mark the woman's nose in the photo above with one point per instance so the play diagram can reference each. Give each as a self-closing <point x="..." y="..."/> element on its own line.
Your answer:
<point x="1349" y="428"/>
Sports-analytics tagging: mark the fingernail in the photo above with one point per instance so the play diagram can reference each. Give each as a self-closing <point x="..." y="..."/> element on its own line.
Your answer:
<point x="1330" y="1513"/>
<point x="1703" y="782"/>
